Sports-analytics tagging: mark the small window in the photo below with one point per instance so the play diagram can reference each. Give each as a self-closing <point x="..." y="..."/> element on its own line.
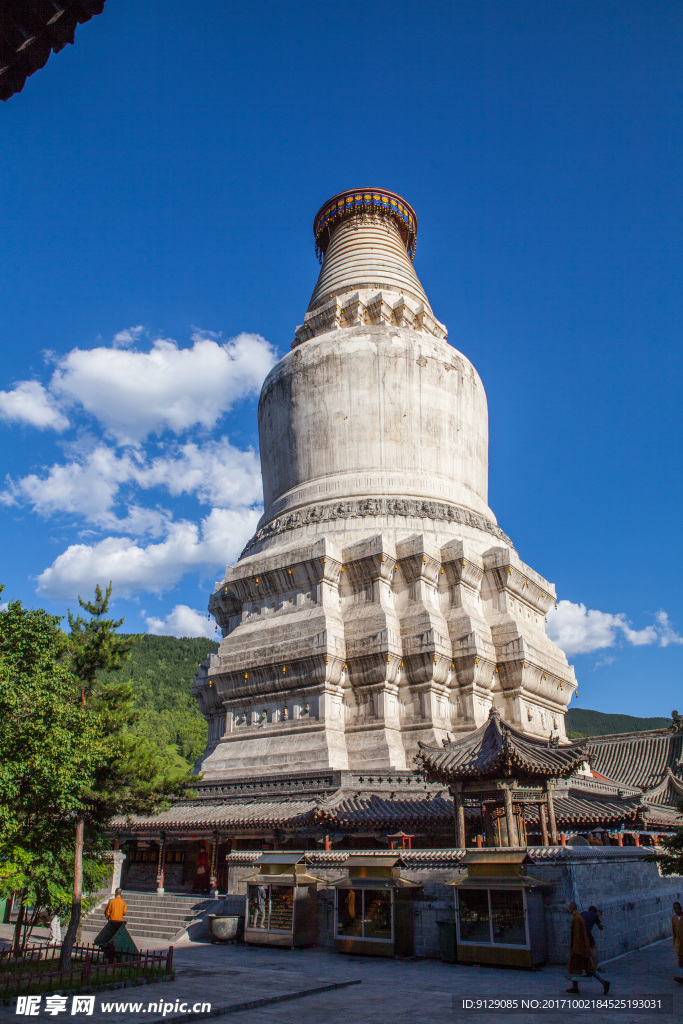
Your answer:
<point x="473" y="915"/>
<point x="507" y="918"/>
<point x="281" y="907"/>
<point x="377" y="914"/>
<point x="492" y="917"/>
<point x="365" y="914"/>
<point x="350" y="912"/>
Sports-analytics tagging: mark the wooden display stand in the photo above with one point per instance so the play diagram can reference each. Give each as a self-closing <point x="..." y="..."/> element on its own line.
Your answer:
<point x="281" y="902"/>
<point x="499" y="910"/>
<point x="374" y="908"/>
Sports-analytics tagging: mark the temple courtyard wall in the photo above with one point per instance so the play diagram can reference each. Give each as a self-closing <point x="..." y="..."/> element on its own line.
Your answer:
<point x="634" y="899"/>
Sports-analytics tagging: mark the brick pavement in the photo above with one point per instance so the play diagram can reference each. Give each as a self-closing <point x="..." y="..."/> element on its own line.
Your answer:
<point x="391" y="991"/>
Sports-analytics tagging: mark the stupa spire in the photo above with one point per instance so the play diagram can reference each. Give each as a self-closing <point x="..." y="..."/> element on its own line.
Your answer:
<point x="366" y="239"/>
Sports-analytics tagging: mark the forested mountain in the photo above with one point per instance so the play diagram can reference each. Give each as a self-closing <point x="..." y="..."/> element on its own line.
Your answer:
<point x="582" y="722"/>
<point x="162" y="669"/>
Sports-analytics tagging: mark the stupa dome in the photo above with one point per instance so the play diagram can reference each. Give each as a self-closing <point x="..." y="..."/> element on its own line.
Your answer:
<point x="372" y="401"/>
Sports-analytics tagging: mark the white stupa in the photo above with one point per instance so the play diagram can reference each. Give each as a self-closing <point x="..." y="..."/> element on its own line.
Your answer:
<point x="378" y="603"/>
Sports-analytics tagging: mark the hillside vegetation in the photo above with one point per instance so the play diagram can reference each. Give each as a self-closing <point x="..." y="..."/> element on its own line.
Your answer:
<point x="582" y="722"/>
<point x="162" y="669"/>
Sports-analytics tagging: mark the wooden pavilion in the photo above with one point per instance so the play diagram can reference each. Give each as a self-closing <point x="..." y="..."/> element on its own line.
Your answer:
<point x="503" y="773"/>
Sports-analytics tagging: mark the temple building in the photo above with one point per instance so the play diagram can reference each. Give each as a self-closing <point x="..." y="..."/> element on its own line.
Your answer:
<point x="384" y="664"/>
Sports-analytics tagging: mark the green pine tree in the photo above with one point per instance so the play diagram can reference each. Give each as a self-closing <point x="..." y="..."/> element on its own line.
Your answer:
<point x="133" y="775"/>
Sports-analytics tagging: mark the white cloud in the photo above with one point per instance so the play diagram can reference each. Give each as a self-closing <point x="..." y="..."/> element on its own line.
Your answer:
<point x="667" y="634"/>
<point x="133" y="394"/>
<point x="90" y="486"/>
<point x="30" y="403"/>
<point x="182" y="621"/>
<point x="154" y="568"/>
<point x="87" y="487"/>
<point x="122" y="339"/>
<point x="216" y="472"/>
<point x="604" y="661"/>
<point x="578" y="630"/>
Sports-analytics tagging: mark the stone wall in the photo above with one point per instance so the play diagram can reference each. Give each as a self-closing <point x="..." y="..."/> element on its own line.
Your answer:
<point x="633" y="898"/>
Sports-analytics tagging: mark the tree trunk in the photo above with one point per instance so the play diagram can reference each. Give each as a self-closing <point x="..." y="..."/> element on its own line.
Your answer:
<point x="18" y="928"/>
<point x="29" y="925"/>
<point x="74" y="920"/>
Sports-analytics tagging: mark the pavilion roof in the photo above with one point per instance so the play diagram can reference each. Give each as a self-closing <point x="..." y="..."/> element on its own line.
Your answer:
<point x="498" y="749"/>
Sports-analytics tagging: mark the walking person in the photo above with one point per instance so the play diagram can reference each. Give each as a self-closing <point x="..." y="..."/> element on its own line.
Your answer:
<point x="591" y="919"/>
<point x="116" y="908"/>
<point x="55" y="932"/>
<point x="677" y="932"/>
<point x="580" y="960"/>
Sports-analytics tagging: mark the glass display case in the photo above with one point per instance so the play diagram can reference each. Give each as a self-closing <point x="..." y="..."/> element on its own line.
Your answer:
<point x="499" y="910"/>
<point x="281" y="902"/>
<point x="373" y="907"/>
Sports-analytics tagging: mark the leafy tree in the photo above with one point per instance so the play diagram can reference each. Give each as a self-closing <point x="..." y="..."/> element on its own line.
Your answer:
<point x="48" y="750"/>
<point x="671" y="858"/>
<point x="132" y="775"/>
<point x="40" y="868"/>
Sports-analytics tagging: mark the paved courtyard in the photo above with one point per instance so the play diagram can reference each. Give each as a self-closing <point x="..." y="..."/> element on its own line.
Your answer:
<point x="286" y="987"/>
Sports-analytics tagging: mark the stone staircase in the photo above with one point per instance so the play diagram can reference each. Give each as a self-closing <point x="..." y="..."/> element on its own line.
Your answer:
<point x="162" y="918"/>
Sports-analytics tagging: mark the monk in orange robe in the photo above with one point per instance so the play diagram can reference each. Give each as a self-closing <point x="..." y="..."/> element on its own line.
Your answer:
<point x="580" y="959"/>
<point x="116" y="908"/>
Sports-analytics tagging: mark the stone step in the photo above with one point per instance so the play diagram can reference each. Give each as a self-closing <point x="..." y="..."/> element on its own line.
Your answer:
<point x="183" y="901"/>
<point x="157" y="917"/>
<point x="165" y="908"/>
<point x="152" y="932"/>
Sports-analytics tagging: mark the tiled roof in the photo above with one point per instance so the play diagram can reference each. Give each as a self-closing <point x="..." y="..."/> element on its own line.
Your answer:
<point x="498" y="749"/>
<point x="639" y="759"/>
<point x="370" y="809"/>
<point x="30" y="30"/>
<point x="576" y="809"/>
<point x="354" y="812"/>
<point x="189" y="817"/>
<point x="413" y="859"/>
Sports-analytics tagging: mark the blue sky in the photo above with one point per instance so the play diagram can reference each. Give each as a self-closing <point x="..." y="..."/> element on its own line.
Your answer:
<point x="158" y="185"/>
